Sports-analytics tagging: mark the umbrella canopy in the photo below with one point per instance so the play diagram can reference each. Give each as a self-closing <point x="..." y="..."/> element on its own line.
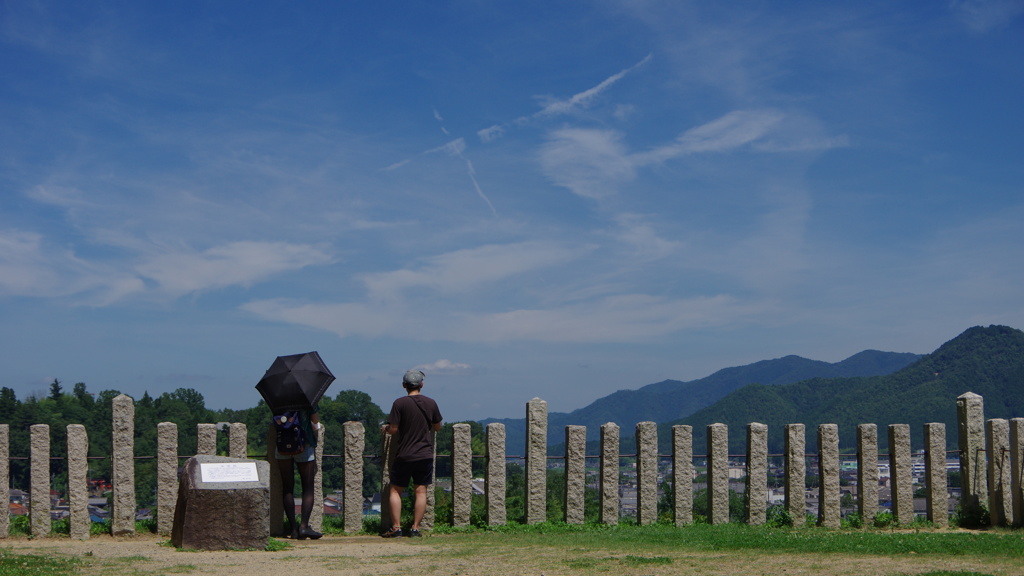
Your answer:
<point x="295" y="382"/>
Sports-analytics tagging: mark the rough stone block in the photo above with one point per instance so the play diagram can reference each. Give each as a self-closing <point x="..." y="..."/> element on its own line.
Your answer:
<point x="646" y="472"/>
<point x="997" y="441"/>
<point x="935" y="473"/>
<point x="166" y="476"/>
<point x="122" y="516"/>
<point x="796" y="471"/>
<point x="757" y="473"/>
<point x="575" y="473"/>
<point x="78" y="481"/>
<point x="828" y="474"/>
<point x="609" y="473"/>
<point x="496" y="475"/>
<point x="39" y="473"/>
<point x="682" y="473"/>
<point x="867" y="472"/>
<point x="223" y="504"/>
<point x="355" y="444"/>
<point x="901" y="474"/>
<point x="462" y="474"/>
<point x="536" y="460"/>
<point x="970" y="416"/>
<point x="718" y="473"/>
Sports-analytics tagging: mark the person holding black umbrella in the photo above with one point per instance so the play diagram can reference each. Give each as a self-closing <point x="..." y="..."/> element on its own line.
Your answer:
<point x="413" y="417"/>
<point x="305" y="461"/>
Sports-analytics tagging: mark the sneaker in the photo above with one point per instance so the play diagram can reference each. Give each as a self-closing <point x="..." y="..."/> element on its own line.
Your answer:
<point x="393" y="533"/>
<point x="309" y="533"/>
<point x="415" y="534"/>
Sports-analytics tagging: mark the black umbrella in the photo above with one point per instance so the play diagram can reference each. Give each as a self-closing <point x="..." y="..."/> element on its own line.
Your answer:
<point x="295" y="382"/>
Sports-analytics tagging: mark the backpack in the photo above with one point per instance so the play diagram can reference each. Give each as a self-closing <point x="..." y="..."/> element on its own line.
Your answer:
<point x="290" y="438"/>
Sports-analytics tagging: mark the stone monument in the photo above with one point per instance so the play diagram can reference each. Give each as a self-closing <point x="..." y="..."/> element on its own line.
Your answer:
<point x="223" y="504"/>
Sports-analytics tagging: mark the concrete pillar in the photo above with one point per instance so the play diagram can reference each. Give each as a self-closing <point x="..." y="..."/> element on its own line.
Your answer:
<point x="756" y="501"/>
<point x="609" y="473"/>
<point x="796" y="472"/>
<point x="970" y="415"/>
<point x="39" y="474"/>
<point x="496" y="475"/>
<point x="462" y="474"/>
<point x="166" y="476"/>
<point x="828" y="476"/>
<point x="575" y="473"/>
<point x="78" y="481"/>
<point x="935" y="473"/>
<point x="238" y="441"/>
<point x="867" y="472"/>
<point x="646" y="473"/>
<point x="682" y="474"/>
<point x="276" y="498"/>
<point x="316" y="517"/>
<point x="1017" y="470"/>
<point x="5" y="477"/>
<point x="206" y="439"/>
<point x="122" y="516"/>
<point x="430" y="514"/>
<point x="997" y="446"/>
<point x="355" y="445"/>
<point x="901" y="471"/>
<point x="536" y="460"/>
<point x="718" y="473"/>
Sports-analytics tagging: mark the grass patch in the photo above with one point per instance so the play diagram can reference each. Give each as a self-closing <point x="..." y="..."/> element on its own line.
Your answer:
<point x="736" y="537"/>
<point x="32" y="565"/>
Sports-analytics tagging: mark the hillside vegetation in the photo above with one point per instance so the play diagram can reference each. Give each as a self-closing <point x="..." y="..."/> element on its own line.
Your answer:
<point x="987" y="361"/>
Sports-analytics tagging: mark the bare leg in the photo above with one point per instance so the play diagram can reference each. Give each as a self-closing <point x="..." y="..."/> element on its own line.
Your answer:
<point x="419" y="506"/>
<point x="395" y="505"/>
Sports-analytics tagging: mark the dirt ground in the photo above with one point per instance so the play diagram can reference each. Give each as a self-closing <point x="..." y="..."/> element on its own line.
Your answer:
<point x="146" y="555"/>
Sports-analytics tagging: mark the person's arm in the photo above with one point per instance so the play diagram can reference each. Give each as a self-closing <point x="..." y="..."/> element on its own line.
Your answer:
<point x="436" y="426"/>
<point x="389" y="428"/>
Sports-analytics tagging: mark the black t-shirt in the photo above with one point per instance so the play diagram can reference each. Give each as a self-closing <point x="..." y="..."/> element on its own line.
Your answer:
<point x="415" y="441"/>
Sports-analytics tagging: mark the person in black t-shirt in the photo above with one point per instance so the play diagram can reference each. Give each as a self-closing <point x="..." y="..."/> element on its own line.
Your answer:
<point x="415" y="418"/>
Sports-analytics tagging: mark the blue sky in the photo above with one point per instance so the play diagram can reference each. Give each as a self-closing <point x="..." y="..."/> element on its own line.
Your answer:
<point x="530" y="199"/>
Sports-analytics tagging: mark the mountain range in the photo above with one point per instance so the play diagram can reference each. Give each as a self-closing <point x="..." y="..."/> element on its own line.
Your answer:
<point x="987" y="361"/>
<point x="670" y="400"/>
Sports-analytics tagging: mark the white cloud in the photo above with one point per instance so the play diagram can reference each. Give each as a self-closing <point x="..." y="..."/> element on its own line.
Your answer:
<point x="463" y="271"/>
<point x="590" y="163"/>
<point x="444" y="367"/>
<point x="985" y="15"/>
<point x="234" y="263"/>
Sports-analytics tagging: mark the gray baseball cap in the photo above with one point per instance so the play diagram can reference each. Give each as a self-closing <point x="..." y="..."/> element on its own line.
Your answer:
<point x="413" y="378"/>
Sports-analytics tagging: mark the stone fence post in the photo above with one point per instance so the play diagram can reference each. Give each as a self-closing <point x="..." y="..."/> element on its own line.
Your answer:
<point x="756" y="501"/>
<point x="495" y="481"/>
<point x="316" y="517"/>
<point x="166" y="476"/>
<point x="206" y="439"/>
<point x="682" y="474"/>
<point x="238" y="441"/>
<point x="867" y="472"/>
<point x="997" y="444"/>
<point x="355" y="444"/>
<point x="536" y="460"/>
<point x="901" y="474"/>
<point x="796" y="472"/>
<point x="718" y="473"/>
<point x="276" y="498"/>
<point x="610" y="473"/>
<point x="575" y="473"/>
<point x="5" y="475"/>
<point x="970" y="414"/>
<point x="646" y="473"/>
<point x="1017" y="470"/>
<point x="78" y="481"/>
<point x="935" y="473"/>
<point x="462" y="474"/>
<point x="122" y="517"/>
<point x="39" y="509"/>
<point x="828" y="476"/>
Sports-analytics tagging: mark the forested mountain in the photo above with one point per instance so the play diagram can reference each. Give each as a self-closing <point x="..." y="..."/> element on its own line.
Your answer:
<point x="671" y="399"/>
<point x="987" y="361"/>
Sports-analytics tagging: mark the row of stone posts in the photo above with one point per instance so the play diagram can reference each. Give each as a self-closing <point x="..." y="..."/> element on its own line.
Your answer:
<point x="991" y="458"/>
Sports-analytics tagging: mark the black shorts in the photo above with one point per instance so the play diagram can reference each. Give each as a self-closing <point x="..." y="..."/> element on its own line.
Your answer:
<point x="421" y="472"/>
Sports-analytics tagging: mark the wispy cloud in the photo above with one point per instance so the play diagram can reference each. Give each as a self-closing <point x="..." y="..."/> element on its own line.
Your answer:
<point x="554" y="107"/>
<point x="231" y="264"/>
<point x="985" y="15"/>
